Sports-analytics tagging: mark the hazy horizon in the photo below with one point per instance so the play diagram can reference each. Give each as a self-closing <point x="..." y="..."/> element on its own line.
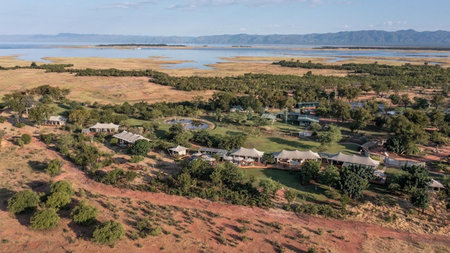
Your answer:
<point x="218" y="17"/>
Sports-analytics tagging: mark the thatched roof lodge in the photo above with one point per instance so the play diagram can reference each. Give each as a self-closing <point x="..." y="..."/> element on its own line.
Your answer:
<point x="213" y="151"/>
<point x="248" y="153"/>
<point x="129" y="138"/>
<point x="286" y="155"/>
<point x="344" y="160"/>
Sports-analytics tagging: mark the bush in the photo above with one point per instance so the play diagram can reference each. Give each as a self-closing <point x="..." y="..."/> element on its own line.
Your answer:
<point x="62" y="186"/>
<point x="113" y="142"/>
<point x="19" y="142"/>
<point x="84" y="214"/>
<point x="136" y="158"/>
<point x="332" y="194"/>
<point x="26" y="138"/>
<point x="45" y="219"/>
<point x="2" y="119"/>
<point x="20" y="125"/>
<point x="108" y="233"/>
<point x="140" y="147"/>
<point x="23" y="200"/>
<point x="309" y="170"/>
<point x="47" y="138"/>
<point x="146" y="228"/>
<point x="58" y="199"/>
<point x="130" y="175"/>
<point x="54" y="167"/>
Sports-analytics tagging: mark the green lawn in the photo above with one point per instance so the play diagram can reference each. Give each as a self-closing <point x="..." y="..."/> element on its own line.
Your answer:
<point x="289" y="179"/>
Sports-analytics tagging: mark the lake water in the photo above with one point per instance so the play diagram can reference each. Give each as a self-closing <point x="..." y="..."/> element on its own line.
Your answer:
<point x="189" y="124"/>
<point x="198" y="57"/>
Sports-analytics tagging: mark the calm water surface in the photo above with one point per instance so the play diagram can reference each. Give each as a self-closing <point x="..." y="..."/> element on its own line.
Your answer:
<point x="198" y="57"/>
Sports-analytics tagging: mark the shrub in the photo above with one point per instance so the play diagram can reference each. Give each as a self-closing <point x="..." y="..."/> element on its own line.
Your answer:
<point x="113" y="142"/>
<point x="130" y="175"/>
<point x="310" y="170"/>
<point x="2" y="119"/>
<point x="45" y="219"/>
<point x="332" y="194"/>
<point x="140" y="147"/>
<point x="19" y="142"/>
<point x="58" y="199"/>
<point x="136" y="158"/>
<point x="23" y="200"/>
<point x="26" y="138"/>
<point x="84" y="214"/>
<point x="54" y="167"/>
<point x="290" y="195"/>
<point x="108" y="233"/>
<point x="20" y="125"/>
<point x="62" y="186"/>
<point x="47" y="138"/>
<point x="146" y="228"/>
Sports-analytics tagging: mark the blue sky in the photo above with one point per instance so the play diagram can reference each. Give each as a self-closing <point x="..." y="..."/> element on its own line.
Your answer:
<point x="207" y="17"/>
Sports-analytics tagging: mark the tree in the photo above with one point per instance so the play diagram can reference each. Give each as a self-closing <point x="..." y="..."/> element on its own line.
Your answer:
<point x="417" y="178"/>
<point x="108" y="233"/>
<point x="437" y="100"/>
<point x="58" y="199"/>
<point x="360" y="117"/>
<point x="54" y="167"/>
<point x="420" y="198"/>
<point x="45" y="219"/>
<point x="290" y="195"/>
<point x="23" y="200"/>
<point x="39" y="113"/>
<point x="17" y="102"/>
<point x="329" y="176"/>
<point x="268" y="158"/>
<point x="269" y="187"/>
<point x="395" y="99"/>
<point x="79" y="116"/>
<point x="405" y="100"/>
<point x="341" y="109"/>
<point x="84" y="213"/>
<point x="332" y="134"/>
<point x="62" y="186"/>
<point x="309" y="170"/>
<point x="351" y="184"/>
<point x="140" y="147"/>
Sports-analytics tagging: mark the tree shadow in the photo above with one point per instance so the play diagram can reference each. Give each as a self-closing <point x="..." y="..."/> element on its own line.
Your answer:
<point x="295" y="144"/>
<point x="39" y="186"/>
<point x="5" y="194"/>
<point x="37" y="165"/>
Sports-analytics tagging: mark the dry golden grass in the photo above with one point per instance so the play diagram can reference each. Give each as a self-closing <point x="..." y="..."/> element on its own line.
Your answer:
<point x="100" y="89"/>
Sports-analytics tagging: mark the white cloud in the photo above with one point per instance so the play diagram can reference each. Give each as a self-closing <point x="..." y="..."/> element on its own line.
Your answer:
<point x="192" y="4"/>
<point x="130" y="4"/>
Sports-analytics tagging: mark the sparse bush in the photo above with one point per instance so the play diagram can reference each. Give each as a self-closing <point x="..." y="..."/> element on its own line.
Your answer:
<point x="19" y="142"/>
<point x="20" y="125"/>
<point x="130" y="176"/>
<point x="108" y="233"/>
<point x="26" y="138"/>
<point x="23" y="200"/>
<point x="58" y="199"/>
<point x="45" y="219"/>
<point x="54" y="167"/>
<point x="146" y="228"/>
<point x="84" y="213"/>
<point x="136" y="158"/>
<point x="2" y="119"/>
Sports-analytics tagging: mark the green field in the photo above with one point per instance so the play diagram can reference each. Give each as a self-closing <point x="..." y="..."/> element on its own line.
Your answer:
<point x="289" y="179"/>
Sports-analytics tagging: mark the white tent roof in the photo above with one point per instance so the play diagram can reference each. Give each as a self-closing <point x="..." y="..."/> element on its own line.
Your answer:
<point x="129" y="137"/>
<point x="248" y="152"/>
<point x="435" y="184"/>
<point x="57" y="118"/>
<point x="296" y="155"/>
<point x="178" y="149"/>
<point x="354" y="159"/>
<point x="105" y="126"/>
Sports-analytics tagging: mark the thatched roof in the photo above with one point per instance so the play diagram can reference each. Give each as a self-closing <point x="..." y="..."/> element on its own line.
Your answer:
<point x="129" y="137"/>
<point x="296" y="155"/>
<point x="214" y="150"/>
<point x="354" y="159"/>
<point x="105" y="126"/>
<point x="248" y="152"/>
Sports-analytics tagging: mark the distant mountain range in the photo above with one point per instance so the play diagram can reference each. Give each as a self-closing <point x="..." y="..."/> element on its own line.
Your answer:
<point x="353" y="38"/>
